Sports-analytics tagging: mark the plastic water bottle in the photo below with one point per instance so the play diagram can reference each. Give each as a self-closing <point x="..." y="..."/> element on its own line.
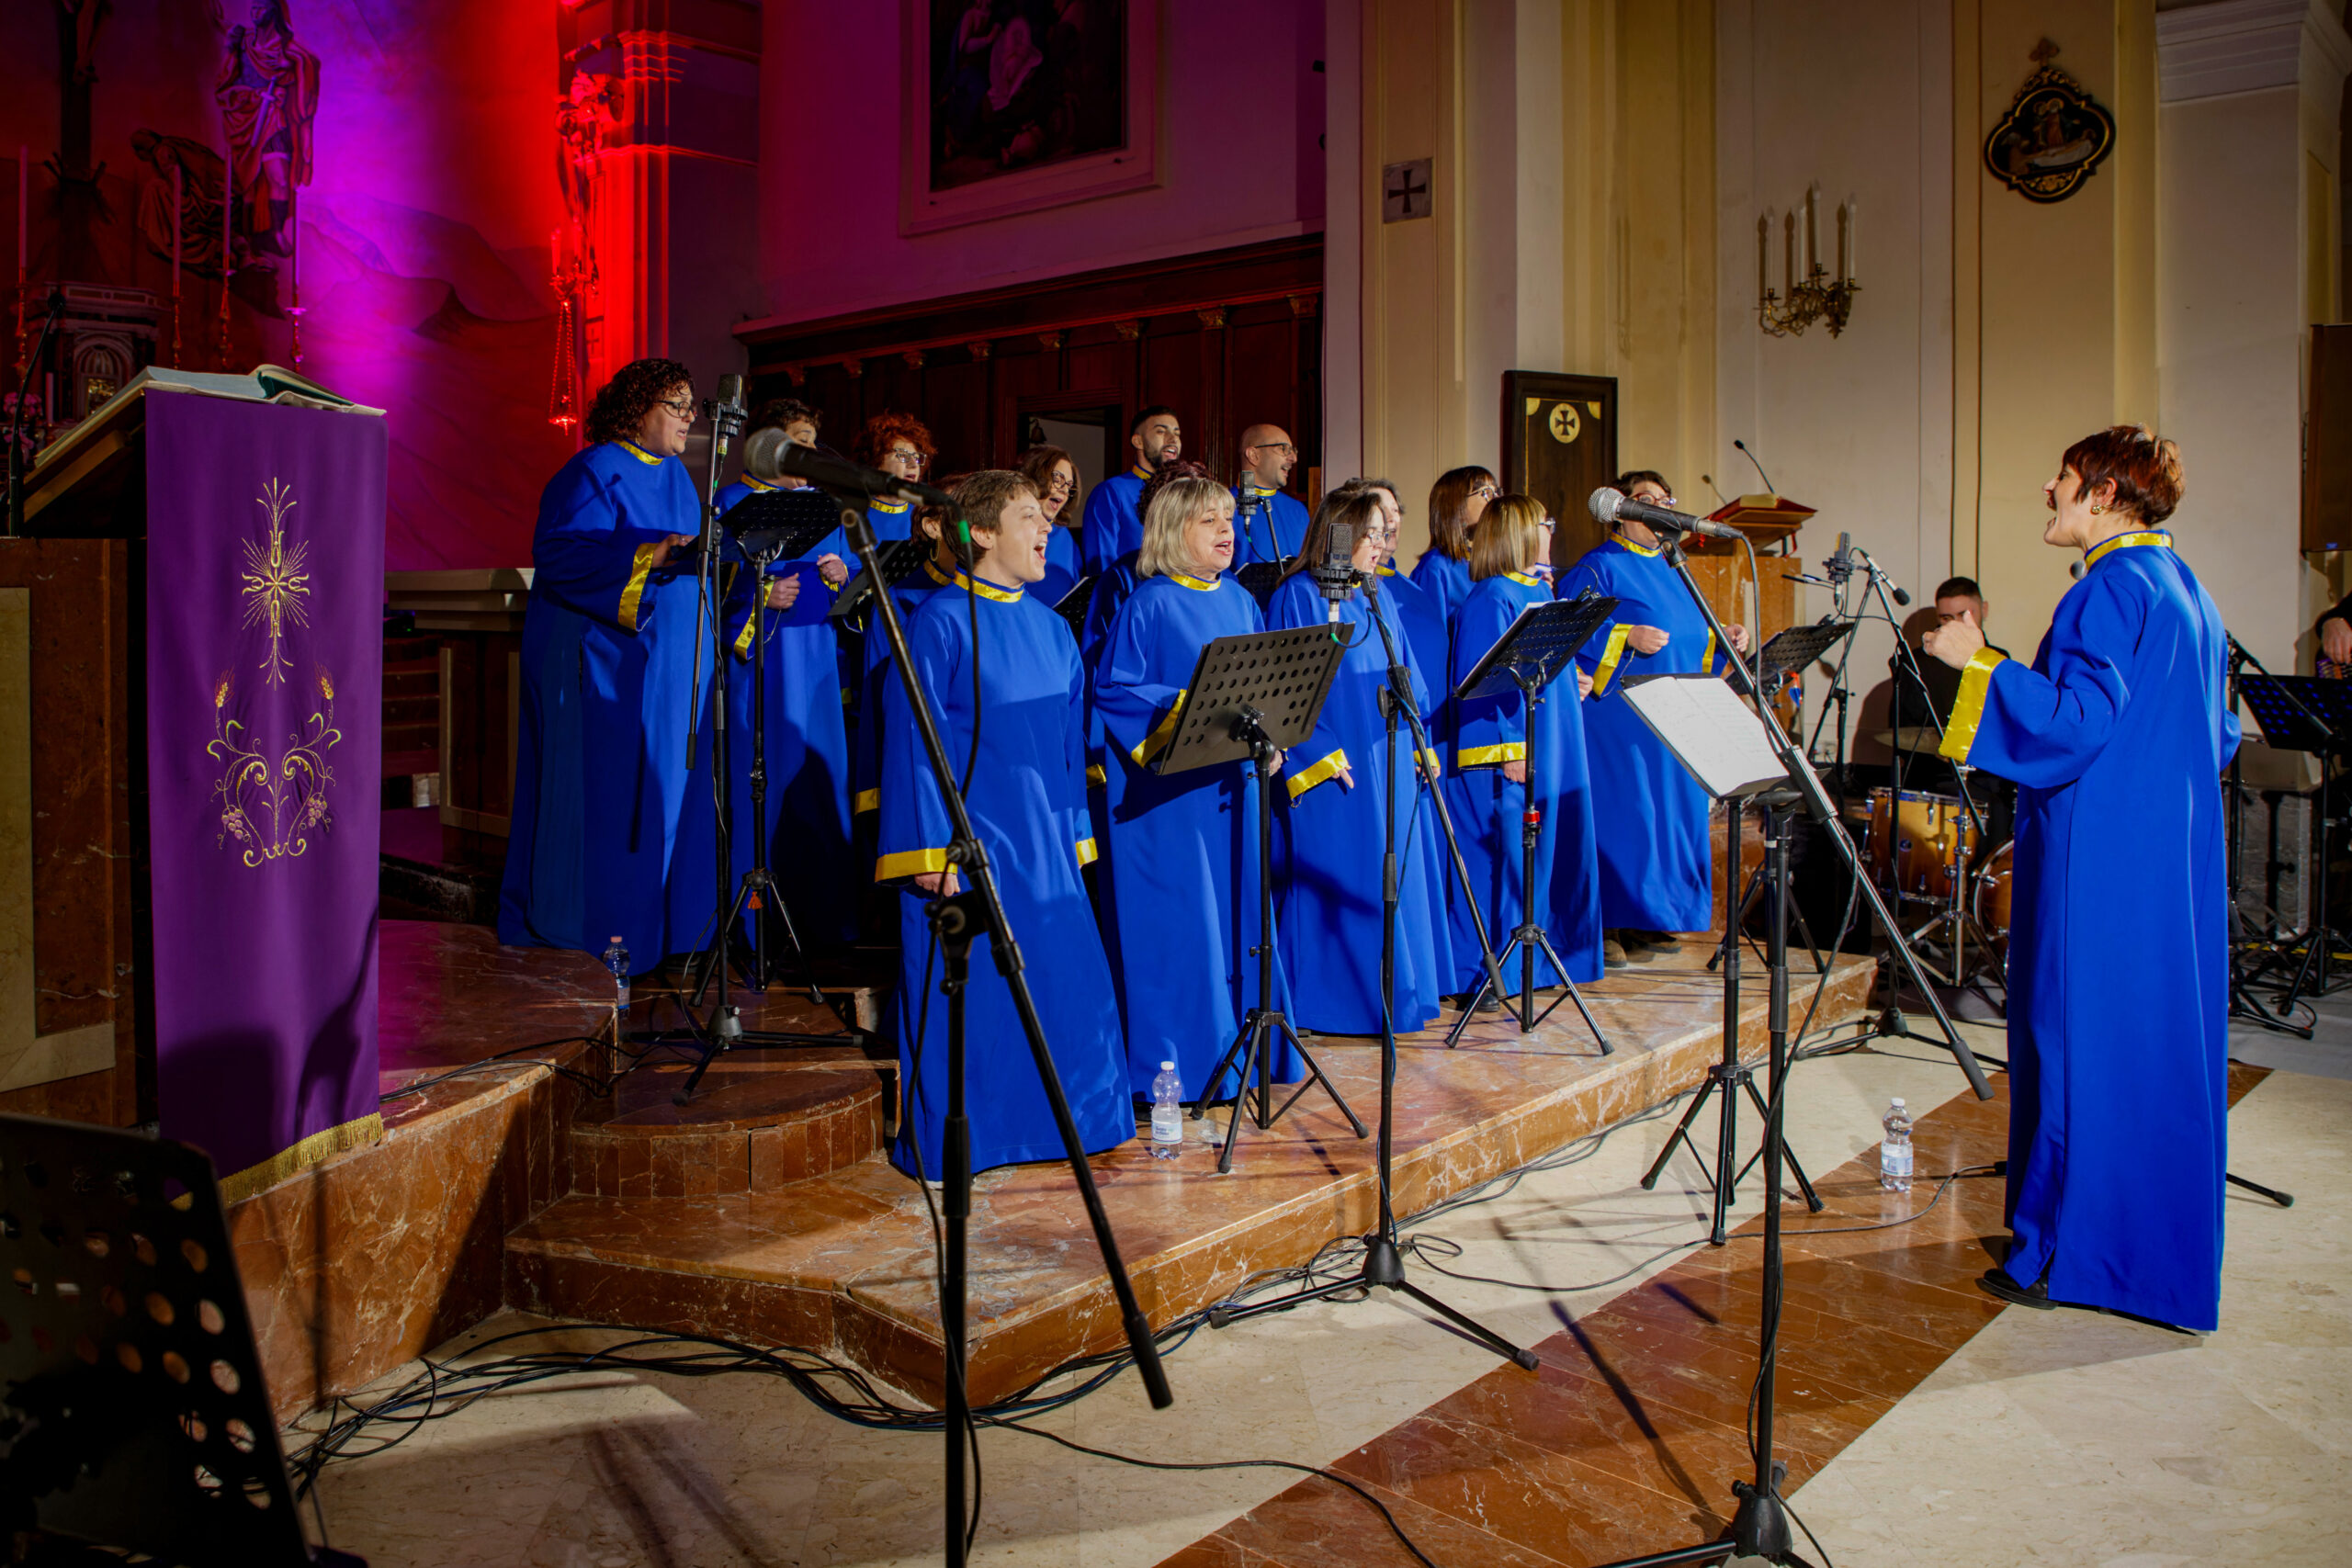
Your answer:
<point x="617" y="960"/>
<point x="1167" y="1113"/>
<point x="1894" y="1149"/>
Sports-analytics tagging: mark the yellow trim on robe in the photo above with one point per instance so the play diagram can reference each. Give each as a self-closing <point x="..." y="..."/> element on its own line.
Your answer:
<point x="1095" y="778"/>
<point x="2125" y="542"/>
<point x="867" y="800"/>
<point x="1192" y="582"/>
<point x="1139" y="471"/>
<point x="987" y="589"/>
<point x="633" y="594"/>
<point x="1487" y="756"/>
<point x="1524" y="578"/>
<point x="1161" y="733"/>
<point x="315" y="1149"/>
<point x="639" y="453"/>
<point x="1651" y="550"/>
<point x="754" y="482"/>
<point x="1308" y="778"/>
<point x="1707" y="659"/>
<point x="1086" y="851"/>
<point x="910" y="862"/>
<point x="892" y="507"/>
<point x="931" y="568"/>
<point x="1609" y="655"/>
<point x="1968" y="707"/>
<point x="849" y="698"/>
<point x="1435" y="764"/>
<point x="743" y="637"/>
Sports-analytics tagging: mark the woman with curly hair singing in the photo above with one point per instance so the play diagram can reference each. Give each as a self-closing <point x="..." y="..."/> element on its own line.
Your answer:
<point x="608" y="649"/>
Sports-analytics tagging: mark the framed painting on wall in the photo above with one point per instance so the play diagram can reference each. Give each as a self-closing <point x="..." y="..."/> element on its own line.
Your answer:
<point x="1015" y="105"/>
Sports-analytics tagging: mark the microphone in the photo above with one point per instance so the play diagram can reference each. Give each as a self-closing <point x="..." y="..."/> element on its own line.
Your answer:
<point x="1709" y="480"/>
<point x="769" y="455"/>
<point x="1879" y="573"/>
<point x="1840" y="566"/>
<point x="2075" y="571"/>
<point x="1335" y="575"/>
<point x="727" y="415"/>
<point x="1753" y="463"/>
<point x="1610" y="507"/>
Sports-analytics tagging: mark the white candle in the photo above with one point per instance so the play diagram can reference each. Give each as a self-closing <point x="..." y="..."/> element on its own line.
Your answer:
<point x="1789" y="251"/>
<point x="1813" y="229"/>
<point x="1853" y="240"/>
<point x="1841" y="242"/>
<point x="1763" y="248"/>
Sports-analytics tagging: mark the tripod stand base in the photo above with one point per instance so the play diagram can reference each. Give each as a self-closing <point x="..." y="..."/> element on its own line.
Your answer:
<point x="1383" y="1265"/>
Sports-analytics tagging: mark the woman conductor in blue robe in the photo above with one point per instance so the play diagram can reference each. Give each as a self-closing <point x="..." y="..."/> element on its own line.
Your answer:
<point x="608" y="649"/>
<point x="1657" y="857"/>
<point x="1329" y="841"/>
<point x="1497" y="745"/>
<point x="1020" y="740"/>
<point x="1182" y="891"/>
<point x="2116" y="735"/>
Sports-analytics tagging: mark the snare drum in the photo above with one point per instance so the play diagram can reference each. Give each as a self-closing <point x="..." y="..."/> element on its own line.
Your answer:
<point x="1917" y="842"/>
<point x="1994" y="884"/>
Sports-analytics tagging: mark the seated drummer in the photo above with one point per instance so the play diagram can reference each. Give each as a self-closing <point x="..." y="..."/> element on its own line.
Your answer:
<point x="1914" y="707"/>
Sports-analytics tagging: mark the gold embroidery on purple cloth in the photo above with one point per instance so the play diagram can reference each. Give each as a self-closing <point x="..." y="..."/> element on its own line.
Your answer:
<point x="272" y="804"/>
<point x="277" y="582"/>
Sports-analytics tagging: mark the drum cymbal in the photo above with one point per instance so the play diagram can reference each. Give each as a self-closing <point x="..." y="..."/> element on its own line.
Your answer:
<point x="1911" y="738"/>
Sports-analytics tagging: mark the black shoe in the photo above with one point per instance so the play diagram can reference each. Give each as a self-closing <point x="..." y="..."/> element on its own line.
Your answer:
<point x="1656" y="942"/>
<point x="1612" y="953"/>
<point x="1994" y="1282"/>
<point x="1490" y="1003"/>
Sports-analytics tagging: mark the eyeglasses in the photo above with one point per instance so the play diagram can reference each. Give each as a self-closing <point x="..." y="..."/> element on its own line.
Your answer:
<point x="1057" y="485"/>
<point x="1284" y="447"/>
<point x="683" y="407"/>
<point x="1486" y="492"/>
<point x="903" y="455"/>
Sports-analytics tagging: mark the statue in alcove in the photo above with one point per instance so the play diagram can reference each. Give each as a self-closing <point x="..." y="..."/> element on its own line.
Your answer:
<point x="268" y="94"/>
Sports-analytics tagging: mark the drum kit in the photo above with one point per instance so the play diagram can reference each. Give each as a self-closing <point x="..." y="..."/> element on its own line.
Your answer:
<point x="1930" y="851"/>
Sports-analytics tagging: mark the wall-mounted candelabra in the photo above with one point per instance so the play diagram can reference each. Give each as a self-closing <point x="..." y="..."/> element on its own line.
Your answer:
<point x="1812" y="292"/>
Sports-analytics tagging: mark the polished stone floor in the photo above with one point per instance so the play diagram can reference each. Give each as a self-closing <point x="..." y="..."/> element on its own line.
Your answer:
<point x="1922" y="1425"/>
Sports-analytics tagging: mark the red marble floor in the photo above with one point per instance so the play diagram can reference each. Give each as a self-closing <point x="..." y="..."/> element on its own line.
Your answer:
<point x="1628" y="1435"/>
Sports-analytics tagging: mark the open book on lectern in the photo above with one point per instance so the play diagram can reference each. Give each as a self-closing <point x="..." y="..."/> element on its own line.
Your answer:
<point x="1717" y="738"/>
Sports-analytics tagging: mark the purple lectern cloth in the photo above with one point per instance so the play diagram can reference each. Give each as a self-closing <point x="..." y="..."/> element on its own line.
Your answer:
<point x="265" y="740"/>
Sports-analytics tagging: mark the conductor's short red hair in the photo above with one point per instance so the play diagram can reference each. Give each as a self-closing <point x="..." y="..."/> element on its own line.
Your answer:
<point x="2145" y="467"/>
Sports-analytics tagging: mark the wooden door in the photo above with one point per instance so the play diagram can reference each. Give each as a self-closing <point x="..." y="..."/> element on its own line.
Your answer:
<point x="1559" y="445"/>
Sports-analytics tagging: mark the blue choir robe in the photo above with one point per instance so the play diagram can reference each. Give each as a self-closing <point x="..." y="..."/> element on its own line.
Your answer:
<point x="1182" y="850"/>
<point x="1486" y="732"/>
<point x="1445" y="580"/>
<point x="1275" y="532"/>
<point x="1427" y="627"/>
<point x="873" y="652"/>
<point x="2119" y="946"/>
<point x="1063" y="568"/>
<point x="807" y="830"/>
<point x="890" y="520"/>
<point x="1327" y="844"/>
<point x="608" y="650"/>
<point x="1028" y="806"/>
<point x="1657" y="859"/>
<point x="1114" y="521"/>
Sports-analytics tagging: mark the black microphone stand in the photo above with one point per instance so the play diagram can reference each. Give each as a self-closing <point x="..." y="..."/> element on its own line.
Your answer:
<point x="2244" y="1003"/>
<point x="961" y="920"/>
<point x="1384" y="1259"/>
<point x="17" y="421"/>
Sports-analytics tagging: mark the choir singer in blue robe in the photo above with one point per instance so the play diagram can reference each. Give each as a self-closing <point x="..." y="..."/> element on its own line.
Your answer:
<point x="1001" y="672"/>
<point x="1657" y="859"/>
<point x="2119" y="954"/>
<point x="1183" y="855"/>
<point x="1328" y="842"/>
<point x="1115" y="512"/>
<point x="1497" y="744"/>
<point x="1457" y="501"/>
<point x="1269" y="523"/>
<point x="1053" y="474"/>
<point x="608" y="698"/>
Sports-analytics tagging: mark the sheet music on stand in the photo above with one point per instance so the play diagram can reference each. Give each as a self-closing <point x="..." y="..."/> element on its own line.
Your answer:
<point x="1283" y="675"/>
<point x="777" y="524"/>
<point x="897" y="558"/>
<point x="1541" y="643"/>
<point x="1714" y="735"/>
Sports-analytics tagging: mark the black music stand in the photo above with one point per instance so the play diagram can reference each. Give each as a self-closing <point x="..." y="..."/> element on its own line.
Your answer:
<point x="895" y="560"/>
<point x="1793" y="649"/>
<point x="1253" y="696"/>
<point x="2303" y="713"/>
<point x="1540" y="646"/>
<point x="135" y="1411"/>
<point x="1072" y="606"/>
<point x="1261" y="578"/>
<point x="755" y="531"/>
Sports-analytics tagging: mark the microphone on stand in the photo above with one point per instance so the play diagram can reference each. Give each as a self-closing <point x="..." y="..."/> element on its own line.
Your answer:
<point x="728" y="413"/>
<point x="769" y="455"/>
<point x="1611" y="506"/>
<point x="1753" y="463"/>
<point x="1840" y="566"/>
<point x="1335" y="575"/>
<point x="1880" y="572"/>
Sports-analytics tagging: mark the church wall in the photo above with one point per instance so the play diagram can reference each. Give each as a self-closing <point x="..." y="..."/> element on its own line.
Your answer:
<point x="1240" y="110"/>
<point x="1854" y="94"/>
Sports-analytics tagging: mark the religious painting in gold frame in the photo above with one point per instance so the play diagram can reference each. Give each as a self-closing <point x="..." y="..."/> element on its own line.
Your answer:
<point x="2052" y="137"/>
